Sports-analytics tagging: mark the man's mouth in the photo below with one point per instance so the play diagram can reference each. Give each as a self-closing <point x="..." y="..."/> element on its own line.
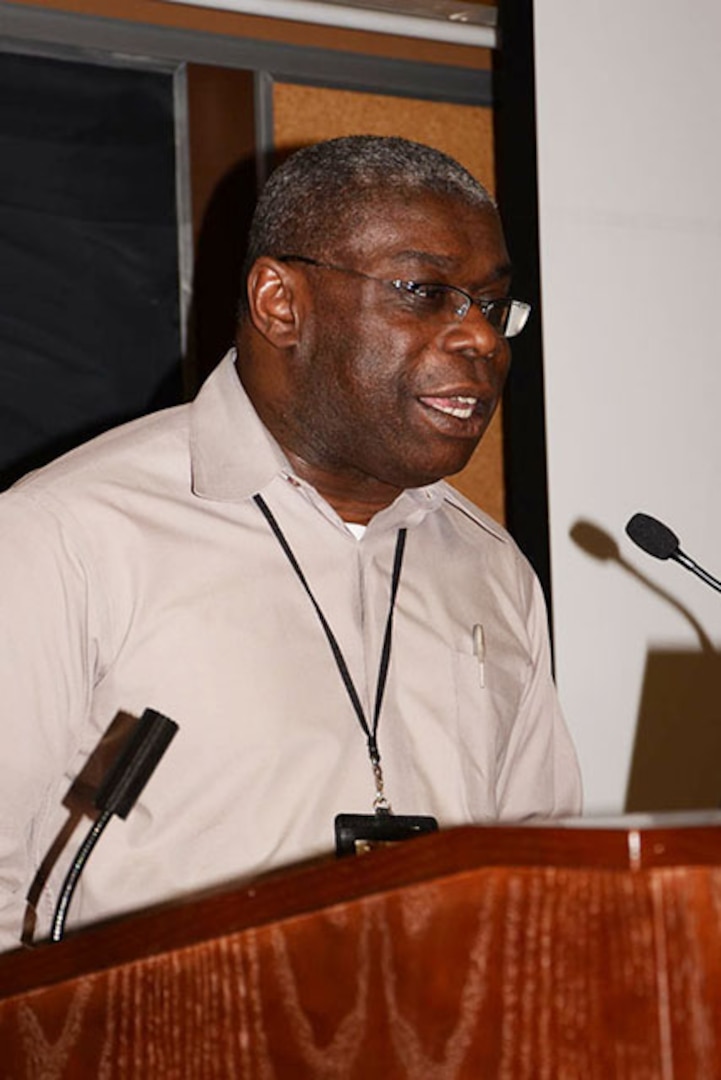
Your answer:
<point x="458" y="405"/>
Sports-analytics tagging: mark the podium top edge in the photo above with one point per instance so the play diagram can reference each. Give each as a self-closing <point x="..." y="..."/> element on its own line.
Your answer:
<point x="630" y="844"/>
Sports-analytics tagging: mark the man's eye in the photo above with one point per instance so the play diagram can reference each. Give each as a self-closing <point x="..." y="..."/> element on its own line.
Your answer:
<point x="433" y="297"/>
<point x="496" y="311"/>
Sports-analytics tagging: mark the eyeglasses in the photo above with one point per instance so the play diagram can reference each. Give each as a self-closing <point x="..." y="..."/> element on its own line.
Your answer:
<point x="436" y="300"/>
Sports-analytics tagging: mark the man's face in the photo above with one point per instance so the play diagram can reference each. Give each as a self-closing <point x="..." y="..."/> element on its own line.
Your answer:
<point x="377" y="390"/>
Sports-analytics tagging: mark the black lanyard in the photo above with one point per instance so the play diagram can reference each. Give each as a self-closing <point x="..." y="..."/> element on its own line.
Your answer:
<point x="380" y="802"/>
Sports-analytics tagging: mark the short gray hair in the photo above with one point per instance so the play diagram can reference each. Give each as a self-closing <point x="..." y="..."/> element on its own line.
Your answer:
<point x="323" y="192"/>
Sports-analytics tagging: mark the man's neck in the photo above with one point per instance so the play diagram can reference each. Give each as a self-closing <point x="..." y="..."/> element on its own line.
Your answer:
<point x="355" y="498"/>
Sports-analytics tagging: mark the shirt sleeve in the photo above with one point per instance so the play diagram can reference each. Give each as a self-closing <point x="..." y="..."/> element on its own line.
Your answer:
<point x="539" y="776"/>
<point x="45" y="682"/>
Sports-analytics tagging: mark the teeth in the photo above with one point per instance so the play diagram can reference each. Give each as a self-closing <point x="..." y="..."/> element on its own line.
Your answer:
<point x="462" y="407"/>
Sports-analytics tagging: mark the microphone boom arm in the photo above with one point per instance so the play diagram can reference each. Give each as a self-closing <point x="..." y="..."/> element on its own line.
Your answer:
<point x="687" y="562"/>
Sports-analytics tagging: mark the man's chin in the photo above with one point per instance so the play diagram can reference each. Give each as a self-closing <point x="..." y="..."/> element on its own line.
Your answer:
<point x="422" y="476"/>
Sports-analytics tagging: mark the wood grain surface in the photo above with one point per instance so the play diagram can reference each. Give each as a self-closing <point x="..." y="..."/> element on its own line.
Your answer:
<point x="511" y="971"/>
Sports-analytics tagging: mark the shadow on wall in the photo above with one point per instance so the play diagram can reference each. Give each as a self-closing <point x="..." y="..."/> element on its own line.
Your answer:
<point x="676" y="762"/>
<point x="217" y="273"/>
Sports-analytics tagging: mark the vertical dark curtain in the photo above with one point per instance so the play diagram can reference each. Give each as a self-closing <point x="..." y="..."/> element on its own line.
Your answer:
<point x="524" y="414"/>
<point x="89" y="299"/>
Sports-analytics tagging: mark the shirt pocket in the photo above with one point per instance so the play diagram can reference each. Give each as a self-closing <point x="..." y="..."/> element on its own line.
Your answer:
<point x="487" y="699"/>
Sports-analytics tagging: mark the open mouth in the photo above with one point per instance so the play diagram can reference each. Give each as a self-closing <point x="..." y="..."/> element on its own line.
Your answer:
<point x="458" y="405"/>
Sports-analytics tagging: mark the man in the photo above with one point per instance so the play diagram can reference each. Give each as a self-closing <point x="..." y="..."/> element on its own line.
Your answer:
<point x="278" y="567"/>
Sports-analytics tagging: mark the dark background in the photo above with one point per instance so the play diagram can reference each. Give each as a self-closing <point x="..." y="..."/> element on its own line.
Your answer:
<point x="89" y="293"/>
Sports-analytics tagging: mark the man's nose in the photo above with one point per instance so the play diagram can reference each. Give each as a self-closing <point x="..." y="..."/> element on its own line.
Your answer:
<point x="474" y="335"/>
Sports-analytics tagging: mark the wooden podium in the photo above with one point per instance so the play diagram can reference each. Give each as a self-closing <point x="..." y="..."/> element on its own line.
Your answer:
<point x="509" y="952"/>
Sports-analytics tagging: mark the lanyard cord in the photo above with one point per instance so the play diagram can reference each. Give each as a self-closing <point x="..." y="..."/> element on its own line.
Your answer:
<point x="380" y="802"/>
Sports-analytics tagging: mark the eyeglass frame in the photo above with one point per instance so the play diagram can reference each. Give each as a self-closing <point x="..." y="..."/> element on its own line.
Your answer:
<point x="484" y="305"/>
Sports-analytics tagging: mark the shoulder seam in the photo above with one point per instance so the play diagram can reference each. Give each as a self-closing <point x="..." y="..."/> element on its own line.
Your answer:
<point x="489" y="527"/>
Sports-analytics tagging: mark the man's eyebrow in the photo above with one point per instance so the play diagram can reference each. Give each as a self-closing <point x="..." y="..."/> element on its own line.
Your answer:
<point x="443" y="262"/>
<point x="446" y="263"/>
<point x="503" y="270"/>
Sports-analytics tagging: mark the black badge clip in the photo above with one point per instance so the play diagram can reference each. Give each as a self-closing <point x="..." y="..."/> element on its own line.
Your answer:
<point x="356" y="834"/>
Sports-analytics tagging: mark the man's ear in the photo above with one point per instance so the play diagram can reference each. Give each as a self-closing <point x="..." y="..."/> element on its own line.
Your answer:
<point x="273" y="301"/>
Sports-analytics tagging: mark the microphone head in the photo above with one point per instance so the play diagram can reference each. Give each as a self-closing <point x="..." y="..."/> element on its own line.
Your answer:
<point x="652" y="536"/>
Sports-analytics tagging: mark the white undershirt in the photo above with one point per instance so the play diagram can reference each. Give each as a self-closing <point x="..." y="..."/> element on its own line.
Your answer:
<point x="356" y="529"/>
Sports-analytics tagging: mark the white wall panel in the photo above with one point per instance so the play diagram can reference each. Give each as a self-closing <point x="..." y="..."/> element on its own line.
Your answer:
<point x="629" y="144"/>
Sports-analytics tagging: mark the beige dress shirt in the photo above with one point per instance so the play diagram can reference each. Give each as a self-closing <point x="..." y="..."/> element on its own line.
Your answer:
<point x="138" y="571"/>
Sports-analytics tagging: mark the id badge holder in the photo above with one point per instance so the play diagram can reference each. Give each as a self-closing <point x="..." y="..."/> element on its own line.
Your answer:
<point x="356" y="834"/>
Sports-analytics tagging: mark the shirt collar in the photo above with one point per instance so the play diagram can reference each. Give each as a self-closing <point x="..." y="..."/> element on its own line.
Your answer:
<point x="232" y="454"/>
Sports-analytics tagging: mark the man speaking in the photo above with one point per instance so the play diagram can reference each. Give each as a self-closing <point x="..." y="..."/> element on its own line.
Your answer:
<point x="281" y="569"/>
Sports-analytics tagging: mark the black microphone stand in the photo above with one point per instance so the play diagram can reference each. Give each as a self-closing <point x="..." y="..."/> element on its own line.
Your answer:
<point x="117" y="795"/>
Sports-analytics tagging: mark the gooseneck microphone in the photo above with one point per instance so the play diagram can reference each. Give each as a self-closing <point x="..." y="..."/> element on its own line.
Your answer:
<point x="117" y="795"/>
<point x="657" y="539"/>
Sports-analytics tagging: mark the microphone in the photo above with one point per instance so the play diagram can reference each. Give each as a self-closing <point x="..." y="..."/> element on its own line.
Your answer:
<point x="117" y="795"/>
<point x="656" y="539"/>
